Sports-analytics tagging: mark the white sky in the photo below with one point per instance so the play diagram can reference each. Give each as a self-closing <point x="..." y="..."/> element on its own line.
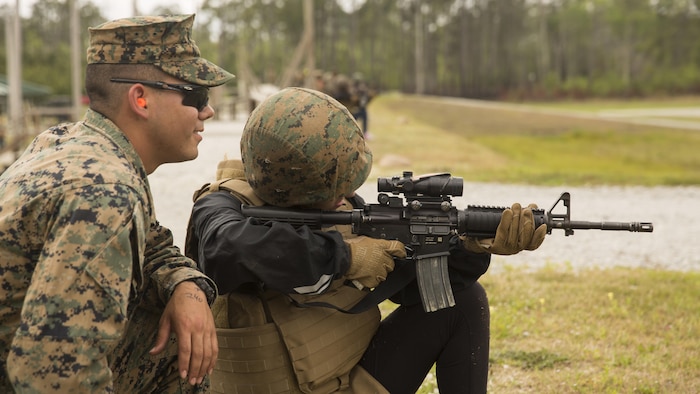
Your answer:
<point x="114" y="9"/>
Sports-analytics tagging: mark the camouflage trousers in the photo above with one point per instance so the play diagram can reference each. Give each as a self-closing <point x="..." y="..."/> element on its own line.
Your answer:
<point x="136" y="371"/>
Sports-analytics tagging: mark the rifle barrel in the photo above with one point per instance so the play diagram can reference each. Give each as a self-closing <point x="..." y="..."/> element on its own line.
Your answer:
<point x="638" y="227"/>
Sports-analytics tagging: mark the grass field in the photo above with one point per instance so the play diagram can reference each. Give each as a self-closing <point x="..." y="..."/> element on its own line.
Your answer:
<point x="616" y="330"/>
<point x="604" y="331"/>
<point x="500" y="145"/>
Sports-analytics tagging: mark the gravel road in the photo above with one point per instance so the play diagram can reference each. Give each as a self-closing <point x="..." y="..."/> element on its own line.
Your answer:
<point x="674" y="211"/>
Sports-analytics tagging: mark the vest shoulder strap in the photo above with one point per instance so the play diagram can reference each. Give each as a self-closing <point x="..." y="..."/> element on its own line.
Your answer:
<point x="239" y="188"/>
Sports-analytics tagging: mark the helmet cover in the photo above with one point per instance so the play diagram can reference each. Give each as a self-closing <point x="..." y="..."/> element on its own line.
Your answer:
<point x="300" y="147"/>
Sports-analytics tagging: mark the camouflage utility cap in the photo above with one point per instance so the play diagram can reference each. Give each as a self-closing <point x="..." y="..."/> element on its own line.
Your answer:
<point x="164" y="41"/>
<point x="301" y="147"/>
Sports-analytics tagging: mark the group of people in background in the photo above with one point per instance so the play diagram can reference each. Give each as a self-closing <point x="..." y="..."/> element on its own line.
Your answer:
<point x="353" y="92"/>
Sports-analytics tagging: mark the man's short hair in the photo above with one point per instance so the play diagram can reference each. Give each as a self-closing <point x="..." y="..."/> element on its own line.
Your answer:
<point x="105" y="96"/>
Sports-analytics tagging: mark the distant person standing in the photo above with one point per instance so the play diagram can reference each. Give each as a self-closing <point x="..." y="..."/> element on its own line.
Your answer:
<point x="362" y="96"/>
<point x="95" y="297"/>
<point x="354" y="94"/>
<point x="342" y="90"/>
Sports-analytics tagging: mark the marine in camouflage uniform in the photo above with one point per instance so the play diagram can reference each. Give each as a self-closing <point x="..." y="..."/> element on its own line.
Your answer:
<point x="86" y="268"/>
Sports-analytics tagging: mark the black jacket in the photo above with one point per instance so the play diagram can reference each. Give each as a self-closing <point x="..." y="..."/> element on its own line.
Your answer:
<point x="241" y="253"/>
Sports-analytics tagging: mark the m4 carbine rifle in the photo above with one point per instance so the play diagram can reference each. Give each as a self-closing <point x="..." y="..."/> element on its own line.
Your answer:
<point x="426" y="222"/>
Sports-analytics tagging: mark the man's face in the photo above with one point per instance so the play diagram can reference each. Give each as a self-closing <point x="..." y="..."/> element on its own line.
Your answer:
<point x="174" y="132"/>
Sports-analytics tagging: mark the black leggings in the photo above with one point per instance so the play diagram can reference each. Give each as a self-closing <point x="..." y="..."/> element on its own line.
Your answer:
<point x="409" y="341"/>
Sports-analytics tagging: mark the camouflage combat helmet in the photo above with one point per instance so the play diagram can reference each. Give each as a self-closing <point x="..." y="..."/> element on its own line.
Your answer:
<point x="301" y="147"/>
<point x="164" y="41"/>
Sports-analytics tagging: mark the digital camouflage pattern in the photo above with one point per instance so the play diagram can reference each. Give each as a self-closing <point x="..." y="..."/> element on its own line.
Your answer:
<point x="301" y="147"/>
<point x="82" y="260"/>
<point x="164" y="41"/>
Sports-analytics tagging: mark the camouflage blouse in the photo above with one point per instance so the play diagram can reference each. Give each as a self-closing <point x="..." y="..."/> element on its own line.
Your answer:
<point x="79" y="245"/>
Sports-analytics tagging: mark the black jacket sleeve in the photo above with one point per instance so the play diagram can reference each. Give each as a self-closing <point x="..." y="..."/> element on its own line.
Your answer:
<point x="240" y="253"/>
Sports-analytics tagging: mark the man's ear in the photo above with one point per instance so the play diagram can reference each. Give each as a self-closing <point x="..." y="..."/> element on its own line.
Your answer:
<point x="137" y="100"/>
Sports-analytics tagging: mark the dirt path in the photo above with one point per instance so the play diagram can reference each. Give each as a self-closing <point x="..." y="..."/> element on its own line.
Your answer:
<point x="687" y="118"/>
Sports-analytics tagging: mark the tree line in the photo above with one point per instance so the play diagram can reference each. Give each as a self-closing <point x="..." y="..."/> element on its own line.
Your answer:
<point x="493" y="49"/>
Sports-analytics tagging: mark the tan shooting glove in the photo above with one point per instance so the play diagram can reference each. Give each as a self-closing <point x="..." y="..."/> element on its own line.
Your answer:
<point x="371" y="259"/>
<point x="516" y="232"/>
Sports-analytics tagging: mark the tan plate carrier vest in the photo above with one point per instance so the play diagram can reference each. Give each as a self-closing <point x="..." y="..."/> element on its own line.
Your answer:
<point x="267" y="344"/>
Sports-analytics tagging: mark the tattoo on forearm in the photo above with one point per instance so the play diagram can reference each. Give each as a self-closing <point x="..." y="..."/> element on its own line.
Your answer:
<point x="196" y="296"/>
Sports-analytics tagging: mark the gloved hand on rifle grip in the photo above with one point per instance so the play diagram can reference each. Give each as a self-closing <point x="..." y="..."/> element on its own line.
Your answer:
<point x="516" y="232"/>
<point x="371" y="260"/>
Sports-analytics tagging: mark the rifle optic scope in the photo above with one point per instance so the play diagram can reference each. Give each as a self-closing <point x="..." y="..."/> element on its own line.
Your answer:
<point x="432" y="185"/>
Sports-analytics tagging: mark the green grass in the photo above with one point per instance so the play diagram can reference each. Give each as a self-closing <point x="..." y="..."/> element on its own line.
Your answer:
<point x="505" y="145"/>
<point x="617" y="330"/>
<point x="604" y="331"/>
<point x="559" y="330"/>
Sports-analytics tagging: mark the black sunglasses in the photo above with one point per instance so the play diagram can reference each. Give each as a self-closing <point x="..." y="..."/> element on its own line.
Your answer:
<point x="195" y="96"/>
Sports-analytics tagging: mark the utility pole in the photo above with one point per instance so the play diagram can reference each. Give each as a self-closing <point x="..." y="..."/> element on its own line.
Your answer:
<point x="309" y="30"/>
<point x="13" y="40"/>
<point x="420" y="48"/>
<point x="305" y="49"/>
<point x="75" y="65"/>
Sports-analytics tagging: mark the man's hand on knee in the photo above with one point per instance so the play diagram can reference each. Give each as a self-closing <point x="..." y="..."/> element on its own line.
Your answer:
<point x="188" y="315"/>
